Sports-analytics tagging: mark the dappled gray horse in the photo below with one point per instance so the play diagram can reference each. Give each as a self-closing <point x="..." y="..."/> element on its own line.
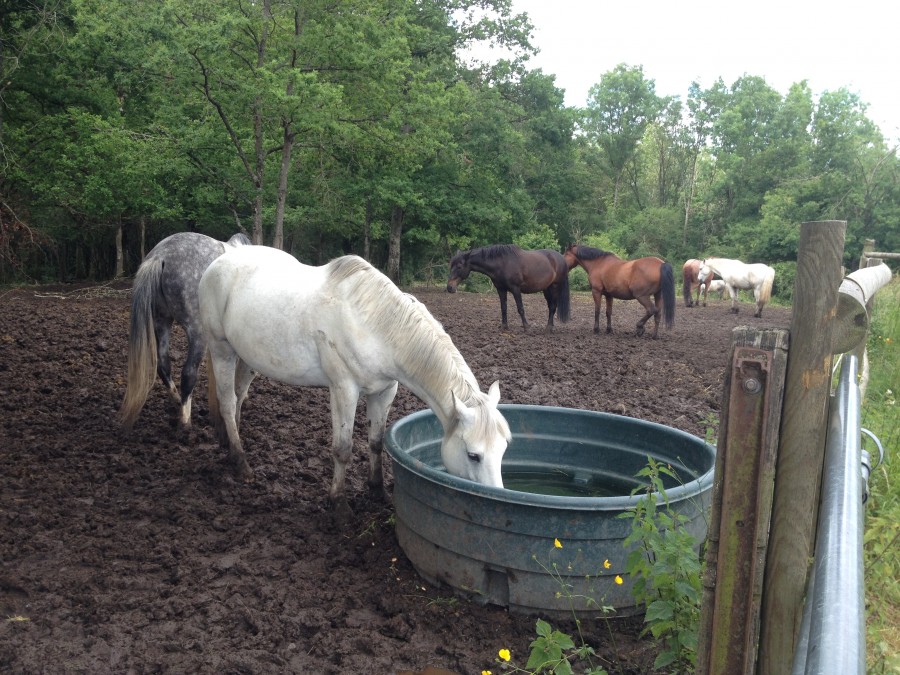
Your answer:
<point x="165" y="292"/>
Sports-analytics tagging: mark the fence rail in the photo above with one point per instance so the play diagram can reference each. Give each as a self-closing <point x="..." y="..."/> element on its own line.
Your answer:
<point x="833" y="630"/>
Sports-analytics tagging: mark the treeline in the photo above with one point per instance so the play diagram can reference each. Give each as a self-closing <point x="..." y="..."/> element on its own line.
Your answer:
<point x="358" y="126"/>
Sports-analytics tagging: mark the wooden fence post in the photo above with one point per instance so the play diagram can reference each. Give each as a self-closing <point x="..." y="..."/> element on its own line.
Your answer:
<point x="742" y="502"/>
<point x="802" y="445"/>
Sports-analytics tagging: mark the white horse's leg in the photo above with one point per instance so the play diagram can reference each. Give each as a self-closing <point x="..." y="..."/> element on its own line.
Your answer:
<point x="344" y="397"/>
<point x="378" y="406"/>
<point x="243" y="376"/>
<point x="224" y="362"/>
<point x="732" y="291"/>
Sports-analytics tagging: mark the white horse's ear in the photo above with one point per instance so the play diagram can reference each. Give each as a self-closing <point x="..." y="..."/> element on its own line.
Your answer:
<point x="494" y="393"/>
<point x="466" y="416"/>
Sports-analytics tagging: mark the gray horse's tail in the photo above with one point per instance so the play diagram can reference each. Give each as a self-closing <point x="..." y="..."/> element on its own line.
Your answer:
<point x="667" y="288"/>
<point x="142" y="357"/>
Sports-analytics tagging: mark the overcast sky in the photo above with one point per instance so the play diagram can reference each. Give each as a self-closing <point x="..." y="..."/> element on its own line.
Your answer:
<point x="829" y="44"/>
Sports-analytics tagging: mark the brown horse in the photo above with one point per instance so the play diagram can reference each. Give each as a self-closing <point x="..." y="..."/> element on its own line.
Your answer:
<point x="517" y="271"/>
<point x="691" y="270"/>
<point x="611" y="277"/>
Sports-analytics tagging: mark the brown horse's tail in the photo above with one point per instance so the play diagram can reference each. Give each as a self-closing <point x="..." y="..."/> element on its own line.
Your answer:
<point x="667" y="288"/>
<point x="142" y="357"/>
<point x="564" y="306"/>
<point x="686" y="288"/>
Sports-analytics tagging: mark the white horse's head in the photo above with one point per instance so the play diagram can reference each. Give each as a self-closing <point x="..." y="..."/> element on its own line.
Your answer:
<point x="704" y="273"/>
<point x="476" y="439"/>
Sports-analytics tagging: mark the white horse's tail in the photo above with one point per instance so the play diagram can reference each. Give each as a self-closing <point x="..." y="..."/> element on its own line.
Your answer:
<point x="765" y="290"/>
<point x="142" y="357"/>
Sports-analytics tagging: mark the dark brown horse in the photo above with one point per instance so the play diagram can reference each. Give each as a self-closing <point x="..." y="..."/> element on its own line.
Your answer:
<point x="611" y="277"/>
<point x="691" y="270"/>
<point x="517" y="271"/>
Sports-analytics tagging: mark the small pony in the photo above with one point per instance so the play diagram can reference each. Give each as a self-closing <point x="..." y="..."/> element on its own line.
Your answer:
<point x="739" y="275"/>
<point x="715" y="287"/>
<point x="165" y="292"/>
<point x="347" y="327"/>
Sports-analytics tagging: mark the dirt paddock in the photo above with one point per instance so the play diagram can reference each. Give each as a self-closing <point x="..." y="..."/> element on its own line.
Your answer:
<point x="140" y="553"/>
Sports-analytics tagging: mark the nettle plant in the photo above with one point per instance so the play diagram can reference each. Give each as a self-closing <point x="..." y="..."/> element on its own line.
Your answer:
<point x="666" y="571"/>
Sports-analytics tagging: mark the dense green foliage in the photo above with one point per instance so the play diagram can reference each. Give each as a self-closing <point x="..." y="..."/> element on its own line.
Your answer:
<point x="362" y="127"/>
<point x="882" y="534"/>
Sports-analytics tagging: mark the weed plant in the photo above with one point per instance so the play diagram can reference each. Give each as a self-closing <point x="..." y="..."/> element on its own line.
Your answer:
<point x="881" y="415"/>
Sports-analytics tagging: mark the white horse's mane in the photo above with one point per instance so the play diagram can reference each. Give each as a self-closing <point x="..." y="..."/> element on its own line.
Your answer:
<point x="420" y="341"/>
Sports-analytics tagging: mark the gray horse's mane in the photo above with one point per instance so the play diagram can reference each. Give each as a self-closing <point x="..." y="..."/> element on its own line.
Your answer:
<point x="420" y="341"/>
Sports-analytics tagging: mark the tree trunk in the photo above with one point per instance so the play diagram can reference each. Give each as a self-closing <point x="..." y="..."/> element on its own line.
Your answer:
<point x="143" y="226"/>
<point x="286" y="148"/>
<point x="259" y="173"/>
<point x="367" y="231"/>
<point x="689" y="199"/>
<point x="393" y="262"/>
<point x="120" y="255"/>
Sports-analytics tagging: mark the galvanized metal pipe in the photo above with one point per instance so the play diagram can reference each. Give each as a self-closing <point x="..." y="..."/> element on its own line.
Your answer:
<point x="836" y="639"/>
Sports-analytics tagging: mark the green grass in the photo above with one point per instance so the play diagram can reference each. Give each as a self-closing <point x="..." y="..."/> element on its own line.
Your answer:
<point x="881" y="415"/>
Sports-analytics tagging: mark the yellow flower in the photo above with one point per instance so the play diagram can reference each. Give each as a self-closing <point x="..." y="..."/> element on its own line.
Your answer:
<point x="504" y="654"/>
<point x="485" y="672"/>
<point x="607" y="564"/>
<point x="619" y="580"/>
<point x="557" y="543"/>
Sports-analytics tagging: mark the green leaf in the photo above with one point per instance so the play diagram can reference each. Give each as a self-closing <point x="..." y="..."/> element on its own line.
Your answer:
<point x="659" y="610"/>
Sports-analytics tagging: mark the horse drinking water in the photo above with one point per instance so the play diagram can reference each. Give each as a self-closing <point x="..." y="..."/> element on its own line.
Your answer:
<point x="347" y="327"/>
<point x="611" y="277"/>
<point x="517" y="271"/>
<point x="165" y="292"/>
<point x="739" y="275"/>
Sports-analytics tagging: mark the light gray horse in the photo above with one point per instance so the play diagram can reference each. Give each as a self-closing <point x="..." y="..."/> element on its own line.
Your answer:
<point x="165" y="292"/>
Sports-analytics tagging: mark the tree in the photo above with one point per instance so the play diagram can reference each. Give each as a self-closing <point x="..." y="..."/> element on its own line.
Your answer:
<point x="619" y="109"/>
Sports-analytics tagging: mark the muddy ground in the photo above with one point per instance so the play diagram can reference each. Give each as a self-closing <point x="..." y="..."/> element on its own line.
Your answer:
<point x="140" y="553"/>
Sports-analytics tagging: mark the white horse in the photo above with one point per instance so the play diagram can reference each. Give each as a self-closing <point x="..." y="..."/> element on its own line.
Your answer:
<point x="716" y="287"/>
<point x="347" y="327"/>
<point x="738" y="275"/>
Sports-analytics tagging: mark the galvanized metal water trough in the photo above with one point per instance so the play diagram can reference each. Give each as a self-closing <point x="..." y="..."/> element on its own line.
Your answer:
<point x="497" y="546"/>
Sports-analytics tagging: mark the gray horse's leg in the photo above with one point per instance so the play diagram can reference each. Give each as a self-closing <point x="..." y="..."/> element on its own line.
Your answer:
<point x="378" y="406"/>
<point x="162" y="328"/>
<point x="189" y="373"/>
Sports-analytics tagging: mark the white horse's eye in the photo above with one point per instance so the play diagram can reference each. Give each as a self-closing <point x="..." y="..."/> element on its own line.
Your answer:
<point x="474" y="457"/>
